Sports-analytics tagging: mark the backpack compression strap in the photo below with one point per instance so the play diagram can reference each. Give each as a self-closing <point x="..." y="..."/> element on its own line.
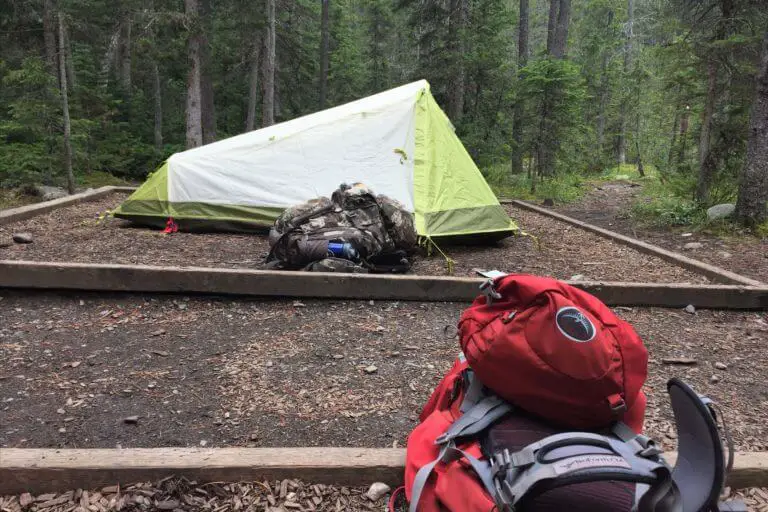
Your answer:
<point x="576" y="457"/>
<point x="475" y="420"/>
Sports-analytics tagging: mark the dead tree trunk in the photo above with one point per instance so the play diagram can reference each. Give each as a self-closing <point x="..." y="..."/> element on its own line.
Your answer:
<point x="751" y="207"/>
<point x="268" y="68"/>
<point x="324" y="42"/>
<point x="706" y="164"/>
<point x="253" y="87"/>
<point x="522" y="61"/>
<point x="194" y="113"/>
<point x="158" y="107"/>
<point x="65" y="110"/>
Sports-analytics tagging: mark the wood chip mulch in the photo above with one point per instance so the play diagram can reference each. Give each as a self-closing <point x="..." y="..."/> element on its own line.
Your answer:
<point x="179" y="494"/>
<point x="76" y="234"/>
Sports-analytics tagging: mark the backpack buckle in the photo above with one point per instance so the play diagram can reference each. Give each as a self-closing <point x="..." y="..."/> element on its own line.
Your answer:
<point x="489" y="291"/>
<point x="617" y="404"/>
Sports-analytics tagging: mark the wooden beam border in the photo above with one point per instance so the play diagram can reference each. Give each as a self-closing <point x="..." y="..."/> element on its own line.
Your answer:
<point x="56" y="470"/>
<point x="718" y="274"/>
<point x="12" y="215"/>
<point x="234" y="281"/>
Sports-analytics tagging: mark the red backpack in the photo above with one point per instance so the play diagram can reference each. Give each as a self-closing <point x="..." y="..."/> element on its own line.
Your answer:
<point x="539" y="359"/>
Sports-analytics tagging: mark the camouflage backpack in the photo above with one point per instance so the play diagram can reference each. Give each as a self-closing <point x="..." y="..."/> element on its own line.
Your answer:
<point x="377" y="227"/>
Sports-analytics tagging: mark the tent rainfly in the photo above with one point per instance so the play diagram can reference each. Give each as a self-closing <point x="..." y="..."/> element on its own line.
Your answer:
<point x="398" y="142"/>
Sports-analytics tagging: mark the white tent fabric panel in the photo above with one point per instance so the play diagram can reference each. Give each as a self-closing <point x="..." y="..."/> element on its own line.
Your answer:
<point x="301" y="159"/>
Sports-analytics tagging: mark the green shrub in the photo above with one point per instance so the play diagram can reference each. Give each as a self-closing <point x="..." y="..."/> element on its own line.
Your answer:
<point x="564" y="188"/>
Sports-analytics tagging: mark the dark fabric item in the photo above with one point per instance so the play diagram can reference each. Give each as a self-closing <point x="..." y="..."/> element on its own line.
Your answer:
<point x="395" y="262"/>
<point x="336" y="265"/>
<point x="519" y="430"/>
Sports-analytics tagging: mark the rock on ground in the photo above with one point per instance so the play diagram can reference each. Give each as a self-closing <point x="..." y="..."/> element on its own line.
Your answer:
<point x="721" y="211"/>
<point x="48" y="193"/>
<point x="22" y="238"/>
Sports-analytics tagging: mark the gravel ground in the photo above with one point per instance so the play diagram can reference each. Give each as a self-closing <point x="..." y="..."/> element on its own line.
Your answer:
<point x="75" y="234"/>
<point x="220" y="372"/>
<point x="606" y="205"/>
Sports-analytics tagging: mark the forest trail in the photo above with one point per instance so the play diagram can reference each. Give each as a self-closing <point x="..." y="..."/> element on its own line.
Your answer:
<point x="608" y="205"/>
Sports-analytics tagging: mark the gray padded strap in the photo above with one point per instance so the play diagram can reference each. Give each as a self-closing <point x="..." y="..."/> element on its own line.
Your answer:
<point x="421" y="479"/>
<point x="476" y="419"/>
<point x="576" y="454"/>
<point x="449" y="453"/>
<point x="642" y="445"/>
<point x="479" y="417"/>
<point x="474" y="392"/>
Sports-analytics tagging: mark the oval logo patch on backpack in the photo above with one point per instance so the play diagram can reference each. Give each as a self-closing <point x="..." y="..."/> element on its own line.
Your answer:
<point x="575" y="325"/>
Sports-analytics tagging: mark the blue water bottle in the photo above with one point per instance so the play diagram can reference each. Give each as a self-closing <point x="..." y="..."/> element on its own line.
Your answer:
<point x="342" y="250"/>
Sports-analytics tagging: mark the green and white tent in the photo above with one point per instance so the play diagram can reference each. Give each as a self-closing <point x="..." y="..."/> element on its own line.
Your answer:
<point x="398" y="142"/>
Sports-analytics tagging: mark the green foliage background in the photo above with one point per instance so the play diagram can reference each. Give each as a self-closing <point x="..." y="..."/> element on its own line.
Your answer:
<point x="378" y="44"/>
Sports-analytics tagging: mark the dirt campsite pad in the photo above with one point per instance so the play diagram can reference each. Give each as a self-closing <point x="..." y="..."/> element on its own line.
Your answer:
<point x="77" y="234"/>
<point x="606" y="205"/>
<point x="105" y="371"/>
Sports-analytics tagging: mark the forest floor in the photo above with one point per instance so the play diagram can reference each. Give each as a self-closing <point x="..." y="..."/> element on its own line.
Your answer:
<point x="125" y="370"/>
<point x="75" y="234"/>
<point x="74" y="369"/>
<point x="607" y="205"/>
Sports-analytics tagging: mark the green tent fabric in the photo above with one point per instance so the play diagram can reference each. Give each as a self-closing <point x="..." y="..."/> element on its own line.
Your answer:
<point x="399" y="143"/>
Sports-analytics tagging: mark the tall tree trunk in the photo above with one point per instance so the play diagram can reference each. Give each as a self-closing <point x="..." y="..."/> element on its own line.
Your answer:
<point x="547" y="143"/>
<point x="208" y="113"/>
<point x="554" y="7"/>
<point x="751" y="204"/>
<point x="194" y="100"/>
<point x="324" y="38"/>
<point x="603" y="99"/>
<point x="158" y="107"/>
<point x="253" y="86"/>
<point x="561" y="33"/>
<point x="456" y="24"/>
<point x="640" y="168"/>
<point x="673" y="142"/>
<point x="268" y="68"/>
<point x="68" y="59"/>
<point x="684" y="123"/>
<point x="49" y="37"/>
<point x="125" y="54"/>
<point x="109" y="58"/>
<point x="65" y="109"/>
<point x="522" y="61"/>
<point x="706" y="164"/>
<point x="623" y="110"/>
